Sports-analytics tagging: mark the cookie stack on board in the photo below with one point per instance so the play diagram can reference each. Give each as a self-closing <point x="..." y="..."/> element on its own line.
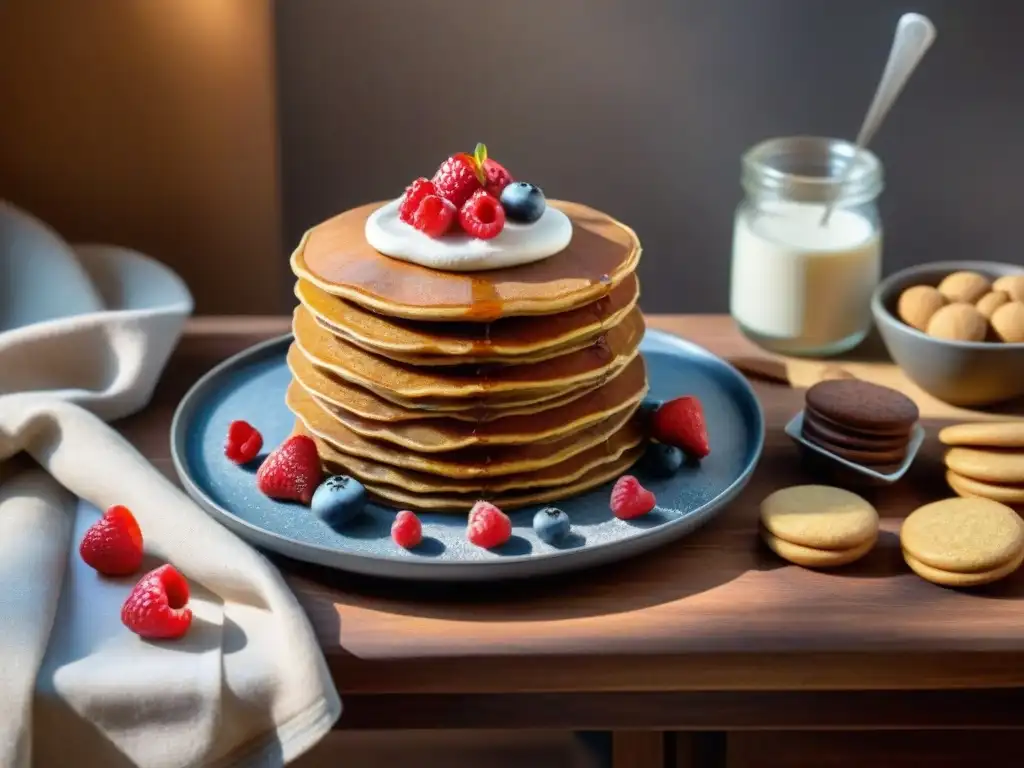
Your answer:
<point x="986" y="460"/>
<point x="818" y="526"/>
<point x="963" y="542"/>
<point x="863" y="423"/>
<point x="435" y="389"/>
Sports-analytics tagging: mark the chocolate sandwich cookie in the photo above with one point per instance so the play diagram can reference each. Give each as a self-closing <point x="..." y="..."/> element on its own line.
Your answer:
<point x="860" y="422"/>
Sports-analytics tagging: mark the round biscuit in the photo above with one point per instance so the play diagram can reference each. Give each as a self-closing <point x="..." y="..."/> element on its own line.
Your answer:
<point x="954" y="579"/>
<point x="991" y="466"/>
<point x="995" y="434"/>
<point x="809" y="557"/>
<point x="969" y="487"/>
<point x="963" y="535"/>
<point x="862" y="405"/>
<point x="819" y="516"/>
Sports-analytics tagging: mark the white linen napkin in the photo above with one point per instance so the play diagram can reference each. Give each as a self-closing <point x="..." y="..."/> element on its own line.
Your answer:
<point x="84" y="336"/>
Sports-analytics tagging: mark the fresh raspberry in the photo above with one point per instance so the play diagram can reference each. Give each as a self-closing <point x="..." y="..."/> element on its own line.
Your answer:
<point x="292" y="470"/>
<point x="629" y="499"/>
<point x="482" y="216"/>
<point x="157" y="607"/>
<point x="497" y="178"/>
<point x="243" y="443"/>
<point x="435" y="215"/>
<point x="680" y="422"/>
<point x="414" y="193"/>
<point x="458" y="177"/>
<point x="407" y="531"/>
<point x="113" y="544"/>
<point x="487" y="526"/>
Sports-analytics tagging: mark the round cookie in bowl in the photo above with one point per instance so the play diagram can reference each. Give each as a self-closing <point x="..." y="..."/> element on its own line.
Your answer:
<point x="956" y="351"/>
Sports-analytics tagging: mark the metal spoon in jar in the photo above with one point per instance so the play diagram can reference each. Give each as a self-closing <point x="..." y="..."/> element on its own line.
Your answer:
<point x="914" y="35"/>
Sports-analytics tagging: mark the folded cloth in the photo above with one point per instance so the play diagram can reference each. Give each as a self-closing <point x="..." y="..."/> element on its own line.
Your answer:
<point x="248" y="684"/>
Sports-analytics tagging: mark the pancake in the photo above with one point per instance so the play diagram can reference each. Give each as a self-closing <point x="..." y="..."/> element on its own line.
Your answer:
<point x="336" y="258"/>
<point x="561" y="473"/>
<point x="440" y="435"/>
<point x="336" y="391"/>
<point x="610" y="353"/>
<point x="525" y="339"/>
<point x="474" y="462"/>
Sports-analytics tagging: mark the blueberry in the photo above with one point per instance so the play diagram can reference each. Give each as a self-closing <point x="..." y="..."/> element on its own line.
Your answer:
<point x="523" y="202"/>
<point x="647" y="409"/>
<point x="551" y="525"/>
<point x="661" y="460"/>
<point x="338" y="500"/>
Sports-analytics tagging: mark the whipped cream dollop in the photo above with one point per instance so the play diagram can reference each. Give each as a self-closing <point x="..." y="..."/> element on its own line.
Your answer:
<point x="458" y="252"/>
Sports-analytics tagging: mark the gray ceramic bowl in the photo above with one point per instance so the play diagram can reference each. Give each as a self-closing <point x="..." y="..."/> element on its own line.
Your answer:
<point x="964" y="373"/>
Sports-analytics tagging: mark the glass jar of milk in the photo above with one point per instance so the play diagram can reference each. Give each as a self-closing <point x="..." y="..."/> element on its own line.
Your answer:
<point x="798" y="286"/>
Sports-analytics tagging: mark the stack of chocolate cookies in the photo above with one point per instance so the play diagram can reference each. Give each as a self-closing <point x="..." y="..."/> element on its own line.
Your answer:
<point x="863" y="423"/>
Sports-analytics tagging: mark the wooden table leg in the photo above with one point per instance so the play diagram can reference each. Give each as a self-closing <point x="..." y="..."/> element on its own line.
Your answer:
<point x="638" y="749"/>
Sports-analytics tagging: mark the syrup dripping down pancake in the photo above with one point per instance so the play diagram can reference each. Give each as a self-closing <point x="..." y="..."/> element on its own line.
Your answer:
<point x="336" y="258"/>
<point x="561" y="473"/>
<point x="512" y="339"/>
<point x="434" y="435"/>
<point x="465" y="463"/>
<point x="597" y="362"/>
<point x="339" y="393"/>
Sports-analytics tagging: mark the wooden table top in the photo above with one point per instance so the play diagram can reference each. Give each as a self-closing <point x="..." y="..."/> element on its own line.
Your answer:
<point x="714" y="612"/>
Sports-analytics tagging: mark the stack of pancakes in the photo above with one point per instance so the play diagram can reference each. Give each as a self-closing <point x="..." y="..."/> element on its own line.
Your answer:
<point x="436" y="389"/>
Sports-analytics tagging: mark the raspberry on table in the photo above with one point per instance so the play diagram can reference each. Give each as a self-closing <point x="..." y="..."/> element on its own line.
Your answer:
<point x="113" y="544"/>
<point x="157" y="607"/>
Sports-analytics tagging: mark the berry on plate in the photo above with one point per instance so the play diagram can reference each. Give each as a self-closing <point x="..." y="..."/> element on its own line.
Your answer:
<point x="243" y="442"/>
<point x="680" y="422"/>
<point x="629" y="499"/>
<point x="414" y="193"/>
<point x="523" y="202"/>
<point x="292" y="471"/>
<point x="407" y="531"/>
<point x="113" y="544"/>
<point x="338" y="500"/>
<point x="551" y="525"/>
<point x="434" y="216"/>
<point x="487" y="526"/>
<point x="662" y="460"/>
<point x="482" y="216"/>
<point x="157" y="607"/>
<point x="460" y="176"/>
<point x="496" y="177"/>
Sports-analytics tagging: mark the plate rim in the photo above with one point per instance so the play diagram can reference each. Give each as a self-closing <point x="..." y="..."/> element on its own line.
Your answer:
<point x="510" y="566"/>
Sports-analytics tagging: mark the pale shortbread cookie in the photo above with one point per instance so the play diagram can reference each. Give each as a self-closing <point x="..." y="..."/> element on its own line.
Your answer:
<point x="991" y="301"/>
<point x="917" y="304"/>
<point x="958" y="321"/>
<point x="820" y="517"/>
<point x="992" y="466"/>
<point x="964" y="286"/>
<point x="994" y="434"/>
<point x="1008" y="322"/>
<point x="809" y="557"/>
<point x="965" y="535"/>
<point x="1012" y="284"/>
<point x="954" y="579"/>
<point x="969" y="487"/>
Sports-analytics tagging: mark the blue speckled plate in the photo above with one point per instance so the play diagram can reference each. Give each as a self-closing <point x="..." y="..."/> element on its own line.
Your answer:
<point x="251" y="386"/>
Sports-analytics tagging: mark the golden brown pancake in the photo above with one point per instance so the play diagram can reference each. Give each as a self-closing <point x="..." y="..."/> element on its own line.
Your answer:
<point x="336" y="258"/>
<point x="524" y="339"/>
<point x="439" y="435"/>
<point x="478" y="461"/>
<point x="600" y="361"/>
<point x="561" y="473"/>
<point x="362" y="402"/>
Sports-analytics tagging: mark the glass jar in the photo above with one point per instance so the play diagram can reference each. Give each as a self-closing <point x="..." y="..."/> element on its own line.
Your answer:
<point x="798" y="286"/>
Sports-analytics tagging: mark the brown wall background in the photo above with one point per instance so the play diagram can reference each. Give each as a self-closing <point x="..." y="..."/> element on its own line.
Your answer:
<point x="150" y="124"/>
<point x="156" y="123"/>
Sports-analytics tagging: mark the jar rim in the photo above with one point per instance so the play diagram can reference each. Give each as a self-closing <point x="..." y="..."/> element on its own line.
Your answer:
<point x="812" y="167"/>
